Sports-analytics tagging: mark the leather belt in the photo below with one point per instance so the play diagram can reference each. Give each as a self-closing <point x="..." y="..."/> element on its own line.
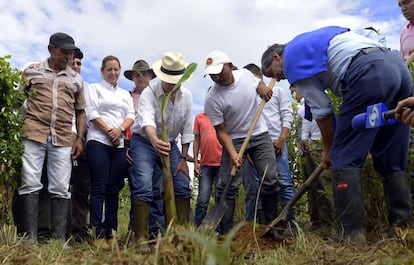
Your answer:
<point x="366" y="51"/>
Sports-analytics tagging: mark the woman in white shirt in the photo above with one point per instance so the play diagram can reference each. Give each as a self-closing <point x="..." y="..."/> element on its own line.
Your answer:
<point x="110" y="111"/>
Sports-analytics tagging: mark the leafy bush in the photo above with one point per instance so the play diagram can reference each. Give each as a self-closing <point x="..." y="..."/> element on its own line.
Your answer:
<point x="11" y="148"/>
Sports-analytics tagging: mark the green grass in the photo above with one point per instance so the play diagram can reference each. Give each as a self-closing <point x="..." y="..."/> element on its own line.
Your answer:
<point x="186" y="245"/>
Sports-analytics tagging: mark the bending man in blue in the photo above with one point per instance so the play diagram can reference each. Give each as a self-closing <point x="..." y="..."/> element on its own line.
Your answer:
<point x="363" y="73"/>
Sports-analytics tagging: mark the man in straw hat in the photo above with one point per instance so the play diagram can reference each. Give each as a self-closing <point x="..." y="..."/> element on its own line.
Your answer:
<point x="147" y="147"/>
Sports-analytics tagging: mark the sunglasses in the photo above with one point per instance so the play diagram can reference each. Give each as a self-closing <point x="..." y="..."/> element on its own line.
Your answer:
<point x="77" y="63"/>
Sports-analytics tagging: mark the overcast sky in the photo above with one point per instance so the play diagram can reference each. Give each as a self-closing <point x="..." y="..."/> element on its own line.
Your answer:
<point x="137" y="29"/>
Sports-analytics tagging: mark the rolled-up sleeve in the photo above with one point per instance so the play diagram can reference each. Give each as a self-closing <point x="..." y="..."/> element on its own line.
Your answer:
<point x="146" y="112"/>
<point x="187" y="135"/>
<point x="286" y="111"/>
<point x="92" y="103"/>
<point x="130" y="111"/>
<point x="315" y="96"/>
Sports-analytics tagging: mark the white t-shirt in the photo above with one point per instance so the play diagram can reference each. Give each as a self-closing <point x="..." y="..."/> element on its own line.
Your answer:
<point x="235" y="105"/>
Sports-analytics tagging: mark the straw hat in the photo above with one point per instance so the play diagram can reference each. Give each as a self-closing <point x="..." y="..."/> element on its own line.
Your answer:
<point x="170" y="68"/>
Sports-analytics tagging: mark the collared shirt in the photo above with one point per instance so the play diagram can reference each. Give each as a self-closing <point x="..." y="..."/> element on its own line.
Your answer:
<point x="52" y="104"/>
<point x="340" y="51"/>
<point x="178" y="114"/>
<point x="135" y="98"/>
<point x="278" y="113"/>
<point x="112" y="104"/>
<point x="406" y="41"/>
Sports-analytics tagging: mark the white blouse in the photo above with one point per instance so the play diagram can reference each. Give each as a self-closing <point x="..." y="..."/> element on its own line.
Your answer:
<point x="112" y="105"/>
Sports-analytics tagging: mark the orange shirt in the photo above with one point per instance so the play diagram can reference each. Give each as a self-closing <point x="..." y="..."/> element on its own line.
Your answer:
<point x="210" y="148"/>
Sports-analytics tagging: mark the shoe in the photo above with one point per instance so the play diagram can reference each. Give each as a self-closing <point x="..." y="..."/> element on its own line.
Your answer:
<point x="102" y="243"/>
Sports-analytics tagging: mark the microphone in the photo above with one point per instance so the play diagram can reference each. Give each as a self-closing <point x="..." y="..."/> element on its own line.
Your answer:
<point x="377" y="115"/>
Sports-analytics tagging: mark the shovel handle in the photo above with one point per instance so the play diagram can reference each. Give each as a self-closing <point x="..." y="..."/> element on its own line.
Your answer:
<point x="252" y="126"/>
<point x="305" y="187"/>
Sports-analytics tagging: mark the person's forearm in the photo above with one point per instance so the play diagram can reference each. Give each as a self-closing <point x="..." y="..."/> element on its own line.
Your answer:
<point x="80" y="122"/>
<point x="196" y="148"/>
<point x="127" y="123"/>
<point x="326" y="127"/>
<point x="151" y="133"/>
<point x="226" y="142"/>
<point x="184" y="149"/>
<point x="284" y="134"/>
<point x="99" y="122"/>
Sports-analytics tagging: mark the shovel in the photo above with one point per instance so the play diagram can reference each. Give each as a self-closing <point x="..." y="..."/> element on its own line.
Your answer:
<point x="216" y="214"/>
<point x="283" y="215"/>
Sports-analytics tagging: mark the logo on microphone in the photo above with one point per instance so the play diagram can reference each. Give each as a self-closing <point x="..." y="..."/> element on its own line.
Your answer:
<point x="374" y="116"/>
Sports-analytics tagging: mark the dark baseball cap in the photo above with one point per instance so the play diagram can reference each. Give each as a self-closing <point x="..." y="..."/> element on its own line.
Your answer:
<point x="63" y="41"/>
<point x="78" y="54"/>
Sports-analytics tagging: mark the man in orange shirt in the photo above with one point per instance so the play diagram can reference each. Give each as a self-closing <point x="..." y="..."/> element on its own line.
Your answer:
<point x="207" y="169"/>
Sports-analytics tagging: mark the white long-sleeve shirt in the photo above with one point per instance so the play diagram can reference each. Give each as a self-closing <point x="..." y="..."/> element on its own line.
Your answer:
<point x="112" y="105"/>
<point x="278" y="113"/>
<point x="179" y="115"/>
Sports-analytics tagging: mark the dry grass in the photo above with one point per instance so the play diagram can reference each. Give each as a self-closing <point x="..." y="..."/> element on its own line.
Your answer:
<point x="187" y="246"/>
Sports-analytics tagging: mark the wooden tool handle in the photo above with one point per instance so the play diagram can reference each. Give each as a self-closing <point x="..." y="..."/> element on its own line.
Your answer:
<point x="252" y="126"/>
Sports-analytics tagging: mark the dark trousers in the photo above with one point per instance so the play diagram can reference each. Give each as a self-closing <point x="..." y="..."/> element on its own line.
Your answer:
<point x="81" y="188"/>
<point x="106" y="167"/>
<point x="376" y="77"/>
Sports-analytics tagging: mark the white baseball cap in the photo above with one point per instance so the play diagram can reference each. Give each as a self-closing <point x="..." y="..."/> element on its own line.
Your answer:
<point x="215" y="61"/>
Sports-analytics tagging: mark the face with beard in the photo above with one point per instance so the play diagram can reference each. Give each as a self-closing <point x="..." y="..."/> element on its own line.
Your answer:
<point x="225" y="78"/>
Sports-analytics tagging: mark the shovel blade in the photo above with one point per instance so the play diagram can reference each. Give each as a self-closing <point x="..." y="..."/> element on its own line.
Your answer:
<point x="214" y="217"/>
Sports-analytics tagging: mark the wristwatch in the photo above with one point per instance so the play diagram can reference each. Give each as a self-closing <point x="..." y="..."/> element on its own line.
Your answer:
<point x="122" y="128"/>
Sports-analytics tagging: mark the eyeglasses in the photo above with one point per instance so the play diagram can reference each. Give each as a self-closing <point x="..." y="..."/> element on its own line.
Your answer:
<point x="77" y="63"/>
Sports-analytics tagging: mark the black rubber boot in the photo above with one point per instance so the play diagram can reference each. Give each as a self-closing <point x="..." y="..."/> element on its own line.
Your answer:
<point x="226" y="223"/>
<point x="349" y="205"/>
<point x="60" y="209"/>
<point x="398" y="198"/>
<point x="29" y="214"/>
<point x="269" y="207"/>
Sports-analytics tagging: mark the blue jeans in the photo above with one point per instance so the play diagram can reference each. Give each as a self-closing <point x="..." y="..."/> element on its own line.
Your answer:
<point x="209" y="174"/>
<point x="147" y="182"/>
<point x="286" y="191"/>
<point x="106" y="165"/>
<point x="156" y="207"/>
